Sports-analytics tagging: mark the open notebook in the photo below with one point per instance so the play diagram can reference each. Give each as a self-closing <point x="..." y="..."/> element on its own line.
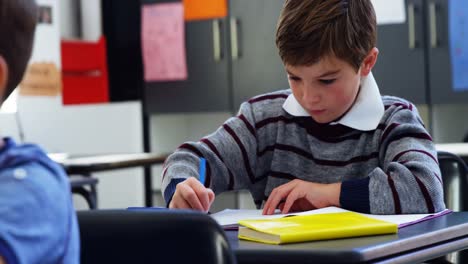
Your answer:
<point x="229" y="218"/>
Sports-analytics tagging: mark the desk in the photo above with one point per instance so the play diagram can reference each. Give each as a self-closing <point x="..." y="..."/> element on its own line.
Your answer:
<point x="412" y="244"/>
<point x="89" y="164"/>
<point x="461" y="149"/>
<point x="86" y="165"/>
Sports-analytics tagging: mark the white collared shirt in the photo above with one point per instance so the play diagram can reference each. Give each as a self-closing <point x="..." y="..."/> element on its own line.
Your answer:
<point x="364" y="115"/>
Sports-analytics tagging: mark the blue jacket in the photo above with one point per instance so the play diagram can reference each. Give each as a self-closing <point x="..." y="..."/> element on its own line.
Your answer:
<point x="37" y="219"/>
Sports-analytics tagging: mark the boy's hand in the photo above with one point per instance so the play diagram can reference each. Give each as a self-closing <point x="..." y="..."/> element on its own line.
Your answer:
<point x="299" y="195"/>
<point x="191" y="194"/>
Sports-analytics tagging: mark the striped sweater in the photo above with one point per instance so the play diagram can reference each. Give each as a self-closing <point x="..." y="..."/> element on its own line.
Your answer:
<point x="390" y="170"/>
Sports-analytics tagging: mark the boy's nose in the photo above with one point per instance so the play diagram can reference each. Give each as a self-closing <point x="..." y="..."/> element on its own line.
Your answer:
<point x="310" y="96"/>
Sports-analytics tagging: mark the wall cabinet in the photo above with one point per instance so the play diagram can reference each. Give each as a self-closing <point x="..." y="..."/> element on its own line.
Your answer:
<point x="229" y="60"/>
<point x="400" y="68"/>
<point x="439" y="58"/>
<point x="256" y="65"/>
<point x="207" y="87"/>
<point x="414" y="60"/>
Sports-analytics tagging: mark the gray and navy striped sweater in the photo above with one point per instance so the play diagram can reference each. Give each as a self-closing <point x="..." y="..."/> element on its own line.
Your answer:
<point x="390" y="170"/>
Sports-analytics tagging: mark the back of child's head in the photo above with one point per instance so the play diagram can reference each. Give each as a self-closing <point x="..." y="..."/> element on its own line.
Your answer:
<point x="309" y="30"/>
<point x="17" y="24"/>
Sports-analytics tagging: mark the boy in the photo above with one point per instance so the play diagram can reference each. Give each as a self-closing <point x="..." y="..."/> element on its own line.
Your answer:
<point x="331" y="140"/>
<point x="37" y="219"/>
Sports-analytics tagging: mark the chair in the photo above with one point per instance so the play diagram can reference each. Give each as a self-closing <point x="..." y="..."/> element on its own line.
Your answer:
<point x="454" y="176"/>
<point x="84" y="72"/>
<point x="86" y="187"/>
<point x="156" y="236"/>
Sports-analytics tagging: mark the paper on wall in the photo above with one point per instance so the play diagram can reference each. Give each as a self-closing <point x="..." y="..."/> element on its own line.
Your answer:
<point x="163" y="42"/>
<point x="41" y="79"/>
<point x="390" y="11"/>
<point x="206" y="9"/>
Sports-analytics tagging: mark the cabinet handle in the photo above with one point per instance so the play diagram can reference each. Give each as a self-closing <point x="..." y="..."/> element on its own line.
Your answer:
<point x="217" y="40"/>
<point x="433" y="24"/>
<point x="234" y="39"/>
<point x="411" y="27"/>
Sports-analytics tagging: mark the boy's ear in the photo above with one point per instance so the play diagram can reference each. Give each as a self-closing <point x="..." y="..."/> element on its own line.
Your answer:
<point x="369" y="61"/>
<point x="3" y="75"/>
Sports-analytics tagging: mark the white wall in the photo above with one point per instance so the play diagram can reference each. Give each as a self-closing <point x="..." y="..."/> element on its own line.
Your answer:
<point x="91" y="21"/>
<point x="89" y="130"/>
<point x="9" y="126"/>
<point x="80" y="19"/>
<point x="82" y="129"/>
<point x="69" y="15"/>
<point x="450" y="122"/>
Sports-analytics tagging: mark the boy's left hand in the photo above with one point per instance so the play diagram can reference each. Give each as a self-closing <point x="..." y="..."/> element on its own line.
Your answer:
<point x="299" y="195"/>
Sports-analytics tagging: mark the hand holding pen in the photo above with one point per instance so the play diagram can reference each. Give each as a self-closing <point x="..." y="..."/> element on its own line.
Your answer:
<point x="192" y="194"/>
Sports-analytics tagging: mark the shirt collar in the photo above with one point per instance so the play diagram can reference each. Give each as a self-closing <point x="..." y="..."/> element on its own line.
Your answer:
<point x="364" y="115"/>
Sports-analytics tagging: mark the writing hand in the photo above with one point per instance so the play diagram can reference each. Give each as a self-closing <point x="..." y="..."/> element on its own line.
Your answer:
<point x="191" y="194"/>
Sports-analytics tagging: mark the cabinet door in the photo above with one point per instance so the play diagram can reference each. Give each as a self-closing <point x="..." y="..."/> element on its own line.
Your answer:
<point x="442" y="88"/>
<point x="400" y="68"/>
<point x="207" y="86"/>
<point x="121" y="26"/>
<point x="256" y="65"/>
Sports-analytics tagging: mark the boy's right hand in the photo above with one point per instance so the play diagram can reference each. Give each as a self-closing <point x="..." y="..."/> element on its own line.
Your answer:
<point x="191" y="194"/>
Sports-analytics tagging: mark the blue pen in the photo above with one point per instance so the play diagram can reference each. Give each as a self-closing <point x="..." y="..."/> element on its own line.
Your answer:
<point x="202" y="170"/>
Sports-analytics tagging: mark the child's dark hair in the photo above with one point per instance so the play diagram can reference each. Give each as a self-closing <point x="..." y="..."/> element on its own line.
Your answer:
<point x="309" y="30"/>
<point x="17" y="24"/>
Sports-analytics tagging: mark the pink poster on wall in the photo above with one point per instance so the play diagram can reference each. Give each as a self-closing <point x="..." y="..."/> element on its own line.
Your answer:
<point x="163" y="42"/>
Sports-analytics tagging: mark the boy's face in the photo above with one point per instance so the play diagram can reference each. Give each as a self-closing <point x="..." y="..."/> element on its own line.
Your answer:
<point x="326" y="89"/>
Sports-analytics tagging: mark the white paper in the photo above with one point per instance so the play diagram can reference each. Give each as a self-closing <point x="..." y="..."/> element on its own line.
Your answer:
<point x="230" y="217"/>
<point x="389" y="11"/>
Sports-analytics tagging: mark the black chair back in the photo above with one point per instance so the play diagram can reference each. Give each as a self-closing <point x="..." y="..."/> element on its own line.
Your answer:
<point x="454" y="177"/>
<point x="159" y="236"/>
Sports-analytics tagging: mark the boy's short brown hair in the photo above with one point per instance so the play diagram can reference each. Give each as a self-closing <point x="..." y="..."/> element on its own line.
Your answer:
<point x="309" y="30"/>
<point x="17" y="24"/>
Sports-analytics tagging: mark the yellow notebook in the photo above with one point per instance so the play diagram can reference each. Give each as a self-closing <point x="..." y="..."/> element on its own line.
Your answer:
<point x="302" y="228"/>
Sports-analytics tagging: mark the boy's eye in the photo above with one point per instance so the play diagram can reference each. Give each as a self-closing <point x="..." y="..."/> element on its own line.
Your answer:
<point x="327" y="81"/>
<point x="294" y="78"/>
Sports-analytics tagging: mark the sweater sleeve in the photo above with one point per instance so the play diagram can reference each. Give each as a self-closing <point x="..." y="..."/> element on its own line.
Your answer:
<point x="230" y="152"/>
<point x="408" y="179"/>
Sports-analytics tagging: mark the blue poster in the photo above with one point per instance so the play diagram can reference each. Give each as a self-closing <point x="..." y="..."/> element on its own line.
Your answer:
<point x="458" y="30"/>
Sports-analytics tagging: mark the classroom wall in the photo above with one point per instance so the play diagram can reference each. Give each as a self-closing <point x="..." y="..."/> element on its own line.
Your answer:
<point x="70" y="23"/>
<point x="90" y="130"/>
<point x="80" y="19"/>
<point x="91" y="25"/>
<point x="450" y="122"/>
